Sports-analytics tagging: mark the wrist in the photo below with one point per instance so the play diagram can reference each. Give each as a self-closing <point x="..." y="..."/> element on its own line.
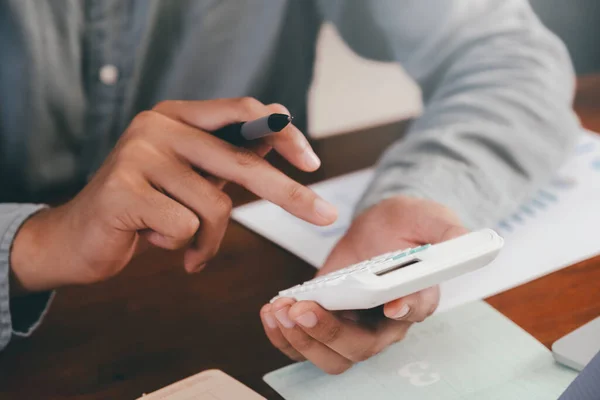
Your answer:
<point x="32" y="265"/>
<point x="372" y="199"/>
<point x="427" y="218"/>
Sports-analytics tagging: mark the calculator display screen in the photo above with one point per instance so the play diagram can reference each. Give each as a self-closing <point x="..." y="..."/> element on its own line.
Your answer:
<point x="397" y="267"/>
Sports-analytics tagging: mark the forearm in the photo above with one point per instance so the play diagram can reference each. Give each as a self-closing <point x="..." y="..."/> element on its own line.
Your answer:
<point x="497" y="120"/>
<point x="41" y="259"/>
<point x="17" y="315"/>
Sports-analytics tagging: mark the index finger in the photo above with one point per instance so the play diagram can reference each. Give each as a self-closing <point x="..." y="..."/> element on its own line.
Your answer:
<point x="211" y="115"/>
<point x="245" y="168"/>
<point x="292" y="144"/>
<point x="348" y="338"/>
<point x="415" y="307"/>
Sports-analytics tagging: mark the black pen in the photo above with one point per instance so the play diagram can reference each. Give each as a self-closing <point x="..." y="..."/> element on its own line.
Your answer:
<point x="243" y="132"/>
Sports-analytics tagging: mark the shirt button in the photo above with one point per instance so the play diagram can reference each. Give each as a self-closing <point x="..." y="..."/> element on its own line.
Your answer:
<point x="109" y="74"/>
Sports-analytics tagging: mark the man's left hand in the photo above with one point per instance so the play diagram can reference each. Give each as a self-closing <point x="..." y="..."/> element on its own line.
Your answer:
<point x="334" y="341"/>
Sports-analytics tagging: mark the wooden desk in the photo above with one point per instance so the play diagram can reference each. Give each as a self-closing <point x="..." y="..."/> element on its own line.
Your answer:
<point x="154" y="324"/>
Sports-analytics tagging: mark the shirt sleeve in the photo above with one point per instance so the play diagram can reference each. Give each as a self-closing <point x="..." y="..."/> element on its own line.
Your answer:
<point x="19" y="316"/>
<point x="586" y="385"/>
<point x="497" y="88"/>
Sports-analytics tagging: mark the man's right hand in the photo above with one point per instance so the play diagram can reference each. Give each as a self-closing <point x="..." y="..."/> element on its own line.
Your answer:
<point x="162" y="185"/>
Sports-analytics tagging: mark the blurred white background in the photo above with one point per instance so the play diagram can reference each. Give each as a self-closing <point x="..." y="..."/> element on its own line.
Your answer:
<point x="349" y="92"/>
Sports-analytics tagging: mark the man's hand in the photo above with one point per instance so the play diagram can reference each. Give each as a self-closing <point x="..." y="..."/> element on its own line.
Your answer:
<point x="335" y="341"/>
<point x="162" y="185"/>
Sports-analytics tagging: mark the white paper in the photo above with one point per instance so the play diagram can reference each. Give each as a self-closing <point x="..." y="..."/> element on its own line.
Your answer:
<point x="470" y="353"/>
<point x="555" y="229"/>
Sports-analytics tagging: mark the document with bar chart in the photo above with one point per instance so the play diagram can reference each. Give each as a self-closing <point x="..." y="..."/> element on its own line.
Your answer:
<point x="552" y="230"/>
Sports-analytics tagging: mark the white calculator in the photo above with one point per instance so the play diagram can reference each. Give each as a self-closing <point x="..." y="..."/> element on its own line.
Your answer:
<point x="393" y="275"/>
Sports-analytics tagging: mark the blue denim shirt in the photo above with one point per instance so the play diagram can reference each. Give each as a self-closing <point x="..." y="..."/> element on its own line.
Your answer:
<point x="497" y="88"/>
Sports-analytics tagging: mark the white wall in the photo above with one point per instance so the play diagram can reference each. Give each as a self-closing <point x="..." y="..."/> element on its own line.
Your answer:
<point x="350" y="93"/>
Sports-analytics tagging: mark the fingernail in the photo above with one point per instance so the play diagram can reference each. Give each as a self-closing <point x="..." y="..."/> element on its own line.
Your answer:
<point x="269" y="320"/>
<point x="325" y="210"/>
<point x="403" y="312"/>
<point x="199" y="268"/>
<point x="311" y="159"/>
<point x="195" y="268"/>
<point x="282" y="317"/>
<point x="307" y="320"/>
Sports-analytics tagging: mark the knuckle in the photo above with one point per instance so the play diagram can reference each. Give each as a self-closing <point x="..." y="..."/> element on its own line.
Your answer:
<point x="419" y="317"/>
<point x="338" y="368"/>
<point x="188" y="224"/>
<point x="431" y="310"/>
<point x="223" y="204"/>
<point x="138" y="148"/>
<point x="172" y="244"/>
<point x="247" y="158"/>
<point x="191" y="226"/>
<point x="295" y="192"/>
<point x="297" y="357"/>
<point x="331" y="333"/>
<point x="401" y="334"/>
<point x="265" y="309"/>
<point x="278" y="108"/>
<point x="363" y="354"/>
<point x="285" y="348"/>
<point x="141" y="121"/>
<point x="119" y="180"/>
<point x="188" y="177"/>
<point x="249" y="104"/>
<point x="303" y="343"/>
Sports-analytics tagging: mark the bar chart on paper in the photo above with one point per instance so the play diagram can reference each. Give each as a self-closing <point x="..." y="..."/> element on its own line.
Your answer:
<point x="583" y="169"/>
<point x="553" y="229"/>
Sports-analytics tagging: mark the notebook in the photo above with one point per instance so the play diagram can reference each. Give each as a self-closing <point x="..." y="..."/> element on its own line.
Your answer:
<point x="471" y="352"/>
<point x="212" y="384"/>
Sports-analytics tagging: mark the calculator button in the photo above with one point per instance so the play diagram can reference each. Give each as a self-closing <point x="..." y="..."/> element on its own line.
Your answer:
<point x="420" y="248"/>
<point x="399" y="256"/>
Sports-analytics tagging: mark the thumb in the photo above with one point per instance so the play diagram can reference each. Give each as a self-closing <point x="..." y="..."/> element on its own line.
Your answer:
<point x="452" y="231"/>
<point x="342" y="255"/>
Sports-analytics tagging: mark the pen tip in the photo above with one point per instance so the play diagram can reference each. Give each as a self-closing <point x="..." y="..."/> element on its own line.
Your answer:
<point x="277" y="122"/>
